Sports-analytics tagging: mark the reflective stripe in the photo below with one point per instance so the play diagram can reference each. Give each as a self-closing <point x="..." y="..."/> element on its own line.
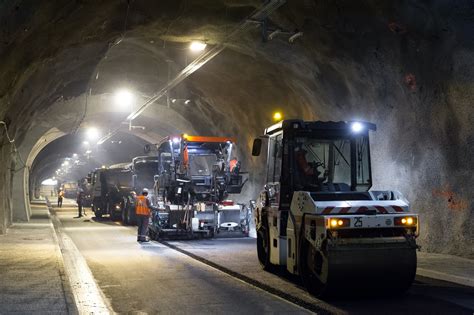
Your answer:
<point x="141" y="207"/>
<point x="362" y="209"/>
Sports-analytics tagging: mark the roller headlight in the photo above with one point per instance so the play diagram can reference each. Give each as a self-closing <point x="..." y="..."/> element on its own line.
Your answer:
<point x="335" y="223"/>
<point x="406" y="221"/>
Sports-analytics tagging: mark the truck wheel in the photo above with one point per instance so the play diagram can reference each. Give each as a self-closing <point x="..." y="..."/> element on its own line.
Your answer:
<point x="98" y="213"/>
<point x="131" y="215"/>
<point x="125" y="213"/>
<point x="263" y="249"/>
<point x="309" y="263"/>
<point x="114" y="216"/>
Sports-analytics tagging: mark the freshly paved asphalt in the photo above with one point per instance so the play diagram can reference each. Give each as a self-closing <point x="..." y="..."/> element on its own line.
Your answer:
<point x="156" y="278"/>
<point x="152" y="278"/>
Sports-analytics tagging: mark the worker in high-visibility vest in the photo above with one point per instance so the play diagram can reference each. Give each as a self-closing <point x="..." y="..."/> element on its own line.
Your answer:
<point x="60" y="197"/>
<point x="143" y="211"/>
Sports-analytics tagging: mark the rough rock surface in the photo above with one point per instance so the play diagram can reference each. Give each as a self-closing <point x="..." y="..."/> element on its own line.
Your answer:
<point x="405" y="65"/>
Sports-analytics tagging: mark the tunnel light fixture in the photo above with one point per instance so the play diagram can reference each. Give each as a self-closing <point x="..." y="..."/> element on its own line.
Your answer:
<point x="74" y="155"/>
<point x="187" y="102"/>
<point x="175" y="140"/>
<point x="357" y="127"/>
<point x="124" y="98"/>
<point x="277" y="116"/>
<point x="205" y="57"/>
<point x="197" y="46"/>
<point x="92" y="133"/>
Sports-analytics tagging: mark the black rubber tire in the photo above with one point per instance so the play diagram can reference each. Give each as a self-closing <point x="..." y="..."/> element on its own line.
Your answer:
<point x="263" y="249"/>
<point x="132" y="220"/>
<point x="151" y="234"/>
<point x="114" y="216"/>
<point x="125" y="210"/>
<point x="307" y="257"/>
<point x="98" y="214"/>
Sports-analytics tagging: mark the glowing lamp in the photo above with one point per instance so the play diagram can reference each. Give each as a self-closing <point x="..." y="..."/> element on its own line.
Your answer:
<point x="357" y="127"/>
<point x="277" y="116"/>
<point x="197" y="46"/>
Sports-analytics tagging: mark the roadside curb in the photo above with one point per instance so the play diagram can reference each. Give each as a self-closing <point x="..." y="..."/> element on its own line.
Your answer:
<point x="445" y="277"/>
<point x="65" y="281"/>
<point x="86" y="295"/>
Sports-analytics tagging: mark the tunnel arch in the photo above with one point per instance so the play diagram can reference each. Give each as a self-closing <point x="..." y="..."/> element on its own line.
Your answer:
<point x="350" y="63"/>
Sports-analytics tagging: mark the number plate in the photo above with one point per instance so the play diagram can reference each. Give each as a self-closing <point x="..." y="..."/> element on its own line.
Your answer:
<point x="371" y="221"/>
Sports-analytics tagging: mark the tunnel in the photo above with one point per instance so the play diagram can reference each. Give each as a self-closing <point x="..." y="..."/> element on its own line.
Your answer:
<point x="406" y="66"/>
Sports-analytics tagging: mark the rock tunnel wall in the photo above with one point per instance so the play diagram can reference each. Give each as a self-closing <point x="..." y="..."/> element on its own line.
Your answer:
<point x="405" y="65"/>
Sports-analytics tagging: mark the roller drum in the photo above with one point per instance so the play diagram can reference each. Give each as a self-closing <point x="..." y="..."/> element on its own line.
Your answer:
<point x="355" y="270"/>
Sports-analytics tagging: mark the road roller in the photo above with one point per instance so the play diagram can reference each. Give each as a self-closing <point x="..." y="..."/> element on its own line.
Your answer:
<point x="317" y="217"/>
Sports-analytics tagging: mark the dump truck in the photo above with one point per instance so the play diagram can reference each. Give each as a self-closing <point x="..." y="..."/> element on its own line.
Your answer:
<point x="112" y="192"/>
<point x="70" y="189"/>
<point x="318" y="218"/>
<point x="195" y="176"/>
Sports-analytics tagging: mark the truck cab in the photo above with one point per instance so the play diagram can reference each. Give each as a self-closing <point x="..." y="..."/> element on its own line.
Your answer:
<point x="317" y="217"/>
<point x="197" y="168"/>
<point x="110" y="190"/>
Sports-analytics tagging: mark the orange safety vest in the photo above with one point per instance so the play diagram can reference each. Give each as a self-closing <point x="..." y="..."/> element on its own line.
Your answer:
<point x="141" y="208"/>
<point x="232" y="165"/>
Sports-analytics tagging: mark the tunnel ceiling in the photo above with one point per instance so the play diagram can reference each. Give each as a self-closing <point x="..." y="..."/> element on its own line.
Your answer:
<point x="405" y="65"/>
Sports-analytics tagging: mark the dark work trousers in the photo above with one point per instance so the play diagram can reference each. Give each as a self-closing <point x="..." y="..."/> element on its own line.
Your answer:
<point x="142" y="222"/>
<point x="79" y="208"/>
<point x="60" y="202"/>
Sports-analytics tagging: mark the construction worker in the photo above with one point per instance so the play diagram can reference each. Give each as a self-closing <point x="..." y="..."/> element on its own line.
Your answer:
<point x="143" y="211"/>
<point x="79" y="200"/>
<point x="60" y="197"/>
<point x="234" y="166"/>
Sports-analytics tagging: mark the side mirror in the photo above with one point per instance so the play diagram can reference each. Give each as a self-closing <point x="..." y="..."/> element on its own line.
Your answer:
<point x="147" y="148"/>
<point x="257" y="147"/>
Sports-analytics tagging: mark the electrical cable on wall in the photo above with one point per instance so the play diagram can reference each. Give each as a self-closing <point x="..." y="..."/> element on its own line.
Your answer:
<point x="15" y="150"/>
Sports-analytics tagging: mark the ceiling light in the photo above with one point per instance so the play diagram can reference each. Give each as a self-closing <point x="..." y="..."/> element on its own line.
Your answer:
<point x="123" y="98"/>
<point x="187" y="102"/>
<point x="92" y="133"/>
<point x="197" y="46"/>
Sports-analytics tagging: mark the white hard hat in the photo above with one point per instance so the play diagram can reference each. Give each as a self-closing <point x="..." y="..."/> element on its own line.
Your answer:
<point x="145" y="190"/>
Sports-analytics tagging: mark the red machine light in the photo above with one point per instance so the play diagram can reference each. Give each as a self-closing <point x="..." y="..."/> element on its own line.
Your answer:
<point x="227" y="203"/>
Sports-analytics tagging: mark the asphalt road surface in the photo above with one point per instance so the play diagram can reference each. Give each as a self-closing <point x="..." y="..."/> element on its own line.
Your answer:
<point x="222" y="276"/>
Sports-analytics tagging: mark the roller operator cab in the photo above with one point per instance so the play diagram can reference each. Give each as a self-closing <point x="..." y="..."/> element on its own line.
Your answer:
<point x="317" y="217"/>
